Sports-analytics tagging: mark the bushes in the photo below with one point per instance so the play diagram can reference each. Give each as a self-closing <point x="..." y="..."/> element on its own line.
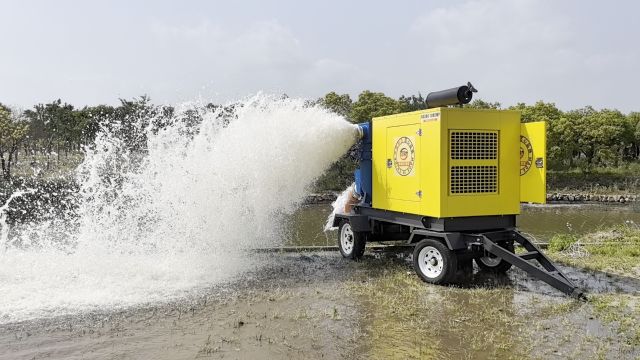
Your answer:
<point x="561" y="242"/>
<point x="339" y="176"/>
<point x="622" y="179"/>
<point x="617" y="241"/>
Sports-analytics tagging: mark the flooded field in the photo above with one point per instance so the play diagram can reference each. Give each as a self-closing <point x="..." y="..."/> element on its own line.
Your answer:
<point x="318" y="305"/>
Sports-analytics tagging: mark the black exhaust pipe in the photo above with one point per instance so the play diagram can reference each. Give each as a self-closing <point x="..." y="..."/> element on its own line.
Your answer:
<point x="454" y="96"/>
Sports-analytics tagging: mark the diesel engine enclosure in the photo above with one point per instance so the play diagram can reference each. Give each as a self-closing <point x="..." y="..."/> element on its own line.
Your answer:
<point x="455" y="162"/>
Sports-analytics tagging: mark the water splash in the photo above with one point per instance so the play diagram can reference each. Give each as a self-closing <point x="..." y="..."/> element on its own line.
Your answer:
<point x="338" y="207"/>
<point x="5" y="242"/>
<point x="151" y="226"/>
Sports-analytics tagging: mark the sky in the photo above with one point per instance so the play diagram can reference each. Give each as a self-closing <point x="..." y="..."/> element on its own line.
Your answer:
<point x="573" y="53"/>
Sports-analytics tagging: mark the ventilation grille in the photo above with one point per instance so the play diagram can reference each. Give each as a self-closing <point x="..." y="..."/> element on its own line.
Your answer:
<point x="473" y="162"/>
<point x="474" y="145"/>
<point x="474" y="179"/>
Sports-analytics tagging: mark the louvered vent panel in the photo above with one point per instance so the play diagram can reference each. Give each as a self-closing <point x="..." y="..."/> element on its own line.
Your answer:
<point x="474" y="145"/>
<point x="474" y="179"/>
<point x="473" y="167"/>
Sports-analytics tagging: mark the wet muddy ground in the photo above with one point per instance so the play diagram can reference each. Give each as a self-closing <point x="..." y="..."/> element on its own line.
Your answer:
<point x="318" y="305"/>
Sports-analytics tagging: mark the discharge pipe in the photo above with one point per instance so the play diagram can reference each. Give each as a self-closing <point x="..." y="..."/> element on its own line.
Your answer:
<point x="362" y="130"/>
<point x="454" y="96"/>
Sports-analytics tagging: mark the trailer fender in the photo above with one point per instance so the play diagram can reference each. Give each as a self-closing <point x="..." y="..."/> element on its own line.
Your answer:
<point x="453" y="240"/>
<point x="358" y="222"/>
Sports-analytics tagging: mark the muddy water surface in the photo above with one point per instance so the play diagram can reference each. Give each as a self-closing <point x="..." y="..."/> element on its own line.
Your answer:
<point x="542" y="222"/>
<point x="320" y="306"/>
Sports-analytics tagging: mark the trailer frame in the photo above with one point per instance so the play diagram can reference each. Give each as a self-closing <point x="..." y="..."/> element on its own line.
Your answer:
<point x="467" y="237"/>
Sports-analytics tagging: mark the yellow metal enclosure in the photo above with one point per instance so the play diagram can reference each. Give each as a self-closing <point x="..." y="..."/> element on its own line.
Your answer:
<point x="533" y="173"/>
<point x="453" y="162"/>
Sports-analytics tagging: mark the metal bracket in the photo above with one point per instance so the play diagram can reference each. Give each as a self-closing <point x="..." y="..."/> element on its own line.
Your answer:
<point x="547" y="272"/>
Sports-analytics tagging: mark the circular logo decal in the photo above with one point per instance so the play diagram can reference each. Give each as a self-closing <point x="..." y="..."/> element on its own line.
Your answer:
<point x="404" y="156"/>
<point x="526" y="155"/>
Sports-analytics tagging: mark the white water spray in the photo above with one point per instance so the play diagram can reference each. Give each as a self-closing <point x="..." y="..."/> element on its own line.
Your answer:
<point x="338" y="207"/>
<point x="180" y="218"/>
<point x="5" y="242"/>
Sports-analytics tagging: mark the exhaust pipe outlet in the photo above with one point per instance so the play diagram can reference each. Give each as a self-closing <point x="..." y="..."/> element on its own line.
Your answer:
<point x="454" y="96"/>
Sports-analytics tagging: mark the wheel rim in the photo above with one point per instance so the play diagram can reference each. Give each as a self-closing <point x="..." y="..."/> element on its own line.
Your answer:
<point x="346" y="239"/>
<point x="490" y="261"/>
<point x="431" y="262"/>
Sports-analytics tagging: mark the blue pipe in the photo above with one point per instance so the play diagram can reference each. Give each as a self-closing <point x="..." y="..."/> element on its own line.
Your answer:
<point x="363" y="174"/>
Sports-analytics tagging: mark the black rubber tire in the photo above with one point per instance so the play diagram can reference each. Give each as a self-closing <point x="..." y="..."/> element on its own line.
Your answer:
<point x="449" y="262"/>
<point x="502" y="266"/>
<point x="359" y="241"/>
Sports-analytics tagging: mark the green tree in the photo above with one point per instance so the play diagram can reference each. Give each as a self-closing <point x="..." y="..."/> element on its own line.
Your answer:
<point x="481" y="104"/>
<point x="371" y="104"/>
<point x="340" y="104"/>
<point x="562" y="137"/>
<point x="602" y="136"/>
<point x="55" y="125"/>
<point x="634" y="125"/>
<point x="413" y="102"/>
<point x="581" y="138"/>
<point x="613" y="136"/>
<point x="562" y="143"/>
<point x="97" y="118"/>
<point x="133" y="118"/>
<point x="12" y="132"/>
<point x="540" y="111"/>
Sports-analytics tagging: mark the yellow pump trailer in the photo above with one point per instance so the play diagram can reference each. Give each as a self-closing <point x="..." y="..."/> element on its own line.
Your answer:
<point x="450" y="181"/>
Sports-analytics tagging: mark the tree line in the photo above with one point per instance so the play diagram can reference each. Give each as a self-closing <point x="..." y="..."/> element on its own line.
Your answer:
<point x="582" y="138"/>
<point x="49" y="131"/>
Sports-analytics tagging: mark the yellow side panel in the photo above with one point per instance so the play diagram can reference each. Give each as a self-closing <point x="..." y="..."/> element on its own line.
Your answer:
<point x="396" y="156"/>
<point x="480" y="183"/>
<point x="533" y="159"/>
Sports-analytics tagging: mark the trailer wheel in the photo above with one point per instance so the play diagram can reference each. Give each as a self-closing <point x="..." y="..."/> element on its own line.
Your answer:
<point x="351" y="243"/>
<point x="493" y="263"/>
<point x="434" y="262"/>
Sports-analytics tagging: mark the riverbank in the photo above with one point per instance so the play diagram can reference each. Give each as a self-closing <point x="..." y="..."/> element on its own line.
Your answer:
<point x="624" y="180"/>
<point x="613" y="250"/>
<point x="587" y="197"/>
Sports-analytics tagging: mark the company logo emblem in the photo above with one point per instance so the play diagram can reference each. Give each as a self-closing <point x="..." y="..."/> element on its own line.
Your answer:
<point x="404" y="156"/>
<point x="526" y="155"/>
